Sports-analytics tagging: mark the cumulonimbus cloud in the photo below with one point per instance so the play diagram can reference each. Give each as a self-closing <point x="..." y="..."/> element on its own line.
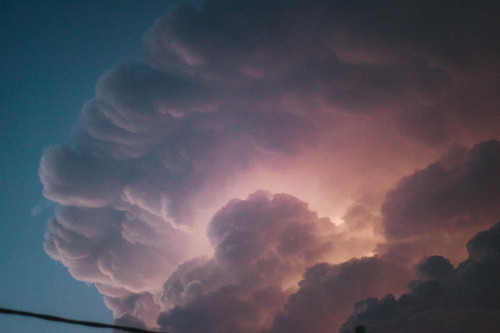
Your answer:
<point x="376" y="121"/>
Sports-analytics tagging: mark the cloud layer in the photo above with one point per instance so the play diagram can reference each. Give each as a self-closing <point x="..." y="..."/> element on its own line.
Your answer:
<point x="270" y="164"/>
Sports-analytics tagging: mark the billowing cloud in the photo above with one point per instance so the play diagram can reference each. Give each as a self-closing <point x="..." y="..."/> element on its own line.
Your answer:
<point x="445" y="203"/>
<point x="413" y="59"/>
<point x="443" y="299"/>
<point x="262" y="246"/>
<point x="366" y="131"/>
<point x="327" y="293"/>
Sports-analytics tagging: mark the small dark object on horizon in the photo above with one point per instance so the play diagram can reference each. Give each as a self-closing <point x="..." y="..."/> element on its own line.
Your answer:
<point x="359" y="329"/>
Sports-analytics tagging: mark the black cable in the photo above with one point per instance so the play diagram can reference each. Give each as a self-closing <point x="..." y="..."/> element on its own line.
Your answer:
<point x="75" y="322"/>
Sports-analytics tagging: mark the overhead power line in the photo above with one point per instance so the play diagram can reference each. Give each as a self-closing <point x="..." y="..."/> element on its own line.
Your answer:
<point x="75" y="322"/>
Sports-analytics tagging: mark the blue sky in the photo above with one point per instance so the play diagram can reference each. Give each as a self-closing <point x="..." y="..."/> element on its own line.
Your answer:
<point x="52" y="54"/>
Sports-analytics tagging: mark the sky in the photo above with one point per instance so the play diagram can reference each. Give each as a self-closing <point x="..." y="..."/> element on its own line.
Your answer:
<point x="52" y="54"/>
<point x="264" y="166"/>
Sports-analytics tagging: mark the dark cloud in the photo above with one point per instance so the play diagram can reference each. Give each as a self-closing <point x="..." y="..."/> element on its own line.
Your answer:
<point x="413" y="59"/>
<point x="443" y="299"/>
<point x="327" y="293"/>
<point x="456" y="197"/>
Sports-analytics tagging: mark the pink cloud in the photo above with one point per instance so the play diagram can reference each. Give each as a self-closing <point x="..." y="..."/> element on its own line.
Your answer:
<point x="366" y="132"/>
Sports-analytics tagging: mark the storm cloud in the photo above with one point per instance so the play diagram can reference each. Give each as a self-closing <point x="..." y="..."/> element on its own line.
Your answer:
<point x="271" y="163"/>
<point x="446" y="202"/>
<point x="443" y="298"/>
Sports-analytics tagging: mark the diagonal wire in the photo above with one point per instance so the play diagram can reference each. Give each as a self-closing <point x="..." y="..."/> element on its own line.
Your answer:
<point x="75" y="322"/>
